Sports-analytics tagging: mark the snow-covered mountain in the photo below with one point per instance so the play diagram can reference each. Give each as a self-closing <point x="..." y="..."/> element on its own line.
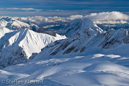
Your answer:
<point x="83" y="33"/>
<point x="49" y="25"/>
<point x="77" y="25"/>
<point x="19" y="46"/>
<point x="89" y="56"/>
<point x="52" y="25"/>
<point x="88" y="37"/>
<point x="92" y="57"/>
<point x="107" y="20"/>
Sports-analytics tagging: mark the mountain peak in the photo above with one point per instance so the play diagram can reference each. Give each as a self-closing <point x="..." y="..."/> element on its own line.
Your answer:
<point x="19" y="46"/>
<point x="77" y="25"/>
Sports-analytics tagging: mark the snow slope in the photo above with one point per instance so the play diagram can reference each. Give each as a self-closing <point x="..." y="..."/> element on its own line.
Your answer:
<point x="90" y="57"/>
<point x="19" y="46"/>
<point x="90" y="70"/>
<point x="3" y="31"/>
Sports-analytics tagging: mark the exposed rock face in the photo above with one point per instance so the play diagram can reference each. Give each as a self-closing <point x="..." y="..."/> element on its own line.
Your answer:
<point x="15" y="57"/>
<point x="77" y="25"/>
<point x="115" y="39"/>
<point x="87" y="35"/>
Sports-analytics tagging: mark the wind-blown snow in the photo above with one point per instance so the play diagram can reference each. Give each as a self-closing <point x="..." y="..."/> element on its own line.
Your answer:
<point x="73" y="71"/>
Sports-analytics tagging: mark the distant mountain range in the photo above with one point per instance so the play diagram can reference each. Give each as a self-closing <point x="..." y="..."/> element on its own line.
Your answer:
<point x="53" y="25"/>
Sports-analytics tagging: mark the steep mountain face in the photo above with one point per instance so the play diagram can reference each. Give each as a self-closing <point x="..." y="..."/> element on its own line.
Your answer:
<point x="77" y="25"/>
<point x="113" y="38"/>
<point x="89" y="38"/>
<point x="19" y="46"/>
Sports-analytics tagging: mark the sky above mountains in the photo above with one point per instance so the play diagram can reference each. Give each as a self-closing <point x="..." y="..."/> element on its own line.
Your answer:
<point x="60" y="7"/>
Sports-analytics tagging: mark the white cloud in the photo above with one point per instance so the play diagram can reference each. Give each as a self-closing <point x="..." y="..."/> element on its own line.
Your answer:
<point x="72" y="17"/>
<point x="25" y="9"/>
<point x="114" y="15"/>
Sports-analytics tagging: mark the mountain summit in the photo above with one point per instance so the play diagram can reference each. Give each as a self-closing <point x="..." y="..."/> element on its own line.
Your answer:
<point x="19" y="46"/>
<point x="87" y="38"/>
<point x="78" y="24"/>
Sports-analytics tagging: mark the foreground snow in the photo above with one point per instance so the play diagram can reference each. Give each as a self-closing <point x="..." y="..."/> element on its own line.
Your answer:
<point x="91" y="70"/>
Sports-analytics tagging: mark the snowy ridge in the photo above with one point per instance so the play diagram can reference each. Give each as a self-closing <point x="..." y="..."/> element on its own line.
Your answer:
<point x="77" y="25"/>
<point x="18" y="46"/>
<point x="86" y="40"/>
<point x="85" y="36"/>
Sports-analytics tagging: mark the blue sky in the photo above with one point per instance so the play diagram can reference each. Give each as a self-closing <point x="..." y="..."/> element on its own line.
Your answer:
<point x="60" y="7"/>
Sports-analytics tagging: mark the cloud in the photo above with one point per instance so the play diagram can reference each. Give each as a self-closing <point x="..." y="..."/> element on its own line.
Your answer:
<point x="24" y="9"/>
<point x="72" y="17"/>
<point x="114" y="15"/>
